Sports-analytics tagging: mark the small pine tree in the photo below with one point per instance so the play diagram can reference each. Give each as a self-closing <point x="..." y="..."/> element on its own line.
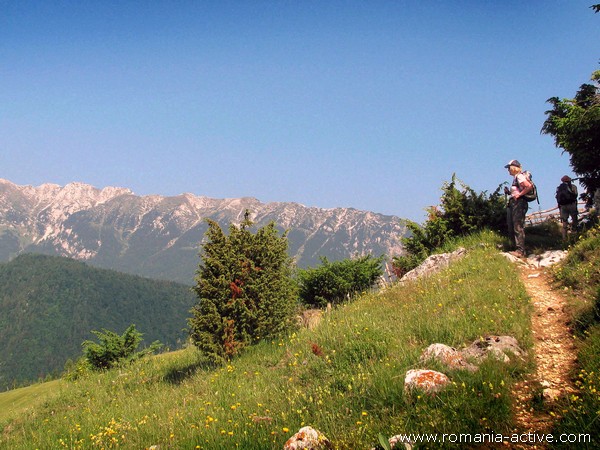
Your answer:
<point x="245" y="289"/>
<point x="114" y="349"/>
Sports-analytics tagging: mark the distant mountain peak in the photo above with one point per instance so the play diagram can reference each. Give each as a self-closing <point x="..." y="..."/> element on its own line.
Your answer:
<point x="159" y="236"/>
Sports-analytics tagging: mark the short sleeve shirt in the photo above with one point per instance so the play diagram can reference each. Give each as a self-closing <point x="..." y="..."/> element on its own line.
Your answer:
<point x="518" y="180"/>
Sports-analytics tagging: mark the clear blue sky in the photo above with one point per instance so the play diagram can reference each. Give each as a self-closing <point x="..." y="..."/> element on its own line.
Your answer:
<point x="364" y="104"/>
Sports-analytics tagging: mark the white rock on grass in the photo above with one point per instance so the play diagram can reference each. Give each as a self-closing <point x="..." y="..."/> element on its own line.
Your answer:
<point x="428" y="381"/>
<point x="308" y="438"/>
<point x="448" y="356"/>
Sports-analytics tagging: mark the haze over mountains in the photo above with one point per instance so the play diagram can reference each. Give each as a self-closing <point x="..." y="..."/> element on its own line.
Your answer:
<point x="159" y="237"/>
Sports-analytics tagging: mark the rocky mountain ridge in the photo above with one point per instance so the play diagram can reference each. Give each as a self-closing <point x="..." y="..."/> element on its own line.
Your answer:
<point x="159" y="236"/>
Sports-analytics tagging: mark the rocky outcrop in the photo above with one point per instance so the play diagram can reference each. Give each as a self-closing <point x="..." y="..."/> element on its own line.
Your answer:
<point x="434" y="264"/>
<point x="499" y="347"/>
<point x="548" y="258"/>
<point x="448" y="356"/>
<point x="545" y="259"/>
<point x="430" y="381"/>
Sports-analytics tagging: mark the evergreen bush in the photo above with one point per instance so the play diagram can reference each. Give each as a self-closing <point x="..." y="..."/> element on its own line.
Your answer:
<point x="460" y="213"/>
<point x="114" y="349"/>
<point x="333" y="282"/>
<point x="245" y="289"/>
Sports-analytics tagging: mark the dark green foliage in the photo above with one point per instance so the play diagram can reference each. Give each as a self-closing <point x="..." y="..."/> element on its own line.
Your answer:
<point x="333" y="282"/>
<point x="544" y="236"/>
<point x="466" y="211"/>
<point x="244" y="287"/>
<point x="580" y="269"/>
<point x="49" y="304"/>
<point x="575" y="125"/>
<point x="114" y="349"/>
<point x="461" y="212"/>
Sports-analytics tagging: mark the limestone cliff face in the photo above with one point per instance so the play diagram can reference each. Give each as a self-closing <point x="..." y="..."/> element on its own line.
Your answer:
<point x="160" y="237"/>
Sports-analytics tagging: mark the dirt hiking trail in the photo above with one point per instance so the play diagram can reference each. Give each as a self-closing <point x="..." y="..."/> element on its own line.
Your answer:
<point x="555" y="356"/>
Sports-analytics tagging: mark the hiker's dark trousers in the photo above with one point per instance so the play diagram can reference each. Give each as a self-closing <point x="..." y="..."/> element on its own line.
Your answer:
<point x="515" y="218"/>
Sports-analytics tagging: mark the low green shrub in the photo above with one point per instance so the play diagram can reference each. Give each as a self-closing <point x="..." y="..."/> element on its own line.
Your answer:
<point x="462" y="212"/>
<point x="579" y="273"/>
<point x="335" y="282"/>
<point x="114" y="349"/>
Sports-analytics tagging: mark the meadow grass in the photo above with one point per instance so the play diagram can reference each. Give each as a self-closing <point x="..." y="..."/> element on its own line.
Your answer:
<point x="345" y="377"/>
<point x="579" y="273"/>
<point x="17" y="401"/>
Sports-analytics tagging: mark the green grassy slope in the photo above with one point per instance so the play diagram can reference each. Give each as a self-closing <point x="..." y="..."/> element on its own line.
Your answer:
<point x="49" y="305"/>
<point x="345" y="377"/>
<point x="18" y="401"/>
<point x="579" y="273"/>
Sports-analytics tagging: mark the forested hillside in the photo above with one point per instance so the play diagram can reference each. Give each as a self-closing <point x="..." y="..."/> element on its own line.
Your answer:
<point x="49" y="305"/>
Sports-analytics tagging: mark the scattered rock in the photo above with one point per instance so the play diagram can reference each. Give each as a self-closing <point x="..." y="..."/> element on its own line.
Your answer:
<point x="308" y="438"/>
<point x="428" y="381"/>
<point x="448" y="356"/>
<point x="498" y="346"/>
<point x="434" y="264"/>
<point x="547" y="258"/>
<point x="515" y="259"/>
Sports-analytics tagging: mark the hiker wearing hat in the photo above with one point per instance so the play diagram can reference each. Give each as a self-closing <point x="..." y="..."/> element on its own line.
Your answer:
<point x="517" y="206"/>
<point x="566" y="197"/>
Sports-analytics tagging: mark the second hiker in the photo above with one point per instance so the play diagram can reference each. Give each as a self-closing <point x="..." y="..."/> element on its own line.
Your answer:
<point x="566" y="197"/>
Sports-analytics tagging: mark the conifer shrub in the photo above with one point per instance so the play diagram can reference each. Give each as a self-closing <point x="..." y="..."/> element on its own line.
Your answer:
<point x="114" y="349"/>
<point x="333" y="282"/>
<point x="245" y="289"/>
<point x="462" y="211"/>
